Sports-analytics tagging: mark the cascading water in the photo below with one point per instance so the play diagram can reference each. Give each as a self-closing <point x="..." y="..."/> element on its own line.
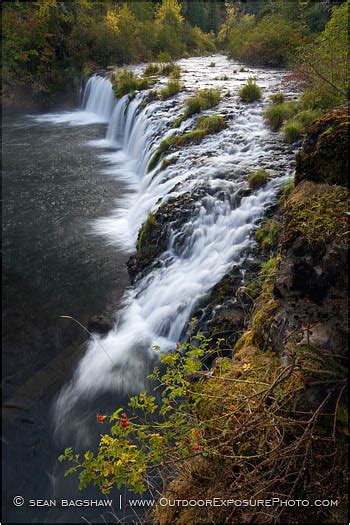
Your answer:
<point x="159" y="305"/>
<point x="99" y="97"/>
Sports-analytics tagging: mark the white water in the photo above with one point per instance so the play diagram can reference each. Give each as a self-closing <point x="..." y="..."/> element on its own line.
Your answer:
<point x="157" y="308"/>
<point x="98" y="104"/>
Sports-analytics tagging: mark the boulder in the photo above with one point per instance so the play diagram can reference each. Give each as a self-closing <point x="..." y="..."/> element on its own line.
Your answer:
<point x="324" y="153"/>
<point x="100" y="324"/>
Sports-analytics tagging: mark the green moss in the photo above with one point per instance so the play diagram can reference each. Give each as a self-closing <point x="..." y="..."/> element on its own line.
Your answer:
<point x="178" y="121"/>
<point x="172" y="88"/>
<point x="261" y="325"/>
<point x="318" y="213"/>
<point x="166" y="163"/>
<point x="162" y="148"/>
<point x="125" y="82"/>
<point x="268" y="235"/>
<point x="324" y="155"/>
<point x="250" y="92"/>
<point x="285" y="192"/>
<point x="257" y="179"/>
<point x="266" y="305"/>
<point x="144" y="231"/>
<point x="276" y="114"/>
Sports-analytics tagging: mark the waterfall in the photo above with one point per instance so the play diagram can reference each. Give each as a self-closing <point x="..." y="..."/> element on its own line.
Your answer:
<point x="99" y="97"/>
<point x="157" y="308"/>
<point x="98" y="101"/>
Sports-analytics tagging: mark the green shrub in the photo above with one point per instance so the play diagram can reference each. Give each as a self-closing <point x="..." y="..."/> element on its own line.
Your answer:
<point x="164" y="57"/>
<point x="317" y="100"/>
<point x="271" y="40"/>
<point x="292" y="130"/>
<point x="212" y="64"/>
<point x="307" y="116"/>
<point x="151" y="70"/>
<point x="250" y="91"/>
<point x="172" y="88"/>
<point x="276" y="114"/>
<point x="277" y="98"/>
<point x="323" y="67"/>
<point x="125" y="81"/>
<point x="257" y="179"/>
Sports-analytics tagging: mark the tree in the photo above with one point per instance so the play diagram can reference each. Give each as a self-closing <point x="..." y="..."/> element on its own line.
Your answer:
<point x="323" y="67"/>
<point x="170" y="25"/>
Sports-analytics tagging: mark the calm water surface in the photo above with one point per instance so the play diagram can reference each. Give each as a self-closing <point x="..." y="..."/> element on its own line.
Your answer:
<point x="53" y="188"/>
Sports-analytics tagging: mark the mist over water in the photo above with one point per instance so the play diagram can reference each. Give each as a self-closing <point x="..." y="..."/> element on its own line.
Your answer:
<point x="157" y="308"/>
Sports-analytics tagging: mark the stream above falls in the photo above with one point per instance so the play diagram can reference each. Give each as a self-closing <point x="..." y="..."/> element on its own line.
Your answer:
<point x="102" y="203"/>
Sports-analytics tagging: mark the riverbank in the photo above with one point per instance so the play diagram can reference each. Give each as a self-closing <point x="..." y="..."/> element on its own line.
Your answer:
<point x="279" y="403"/>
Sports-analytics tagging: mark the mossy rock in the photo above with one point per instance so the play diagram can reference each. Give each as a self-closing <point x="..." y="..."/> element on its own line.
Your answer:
<point x="317" y="213"/>
<point x="152" y="238"/>
<point x="324" y="154"/>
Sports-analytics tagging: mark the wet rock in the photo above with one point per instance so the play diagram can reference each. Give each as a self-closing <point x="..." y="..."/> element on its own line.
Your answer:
<point x="100" y="324"/>
<point x="154" y="235"/>
<point x="223" y="313"/>
<point x="324" y="153"/>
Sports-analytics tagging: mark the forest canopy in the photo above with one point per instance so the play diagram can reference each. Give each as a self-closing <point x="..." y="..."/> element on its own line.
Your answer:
<point x="49" y="44"/>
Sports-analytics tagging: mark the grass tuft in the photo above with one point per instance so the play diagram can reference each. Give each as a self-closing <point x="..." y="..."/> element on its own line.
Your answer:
<point x="257" y="179"/>
<point x="151" y="70"/>
<point x="125" y="82"/>
<point x="276" y="114"/>
<point x="250" y="92"/>
<point x="172" y="88"/>
<point x="277" y="98"/>
<point x="292" y="131"/>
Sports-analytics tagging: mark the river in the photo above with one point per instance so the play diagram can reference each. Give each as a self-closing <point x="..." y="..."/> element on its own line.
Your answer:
<point x="76" y="190"/>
